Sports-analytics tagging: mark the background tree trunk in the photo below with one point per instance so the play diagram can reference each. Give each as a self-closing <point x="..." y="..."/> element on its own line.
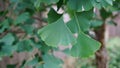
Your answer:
<point x="101" y="54"/>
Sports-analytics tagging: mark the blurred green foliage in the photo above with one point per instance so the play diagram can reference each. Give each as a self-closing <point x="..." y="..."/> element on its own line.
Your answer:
<point x="18" y="31"/>
<point x="114" y="52"/>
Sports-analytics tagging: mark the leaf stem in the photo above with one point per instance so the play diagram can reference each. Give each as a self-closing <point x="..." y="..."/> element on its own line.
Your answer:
<point x="77" y="21"/>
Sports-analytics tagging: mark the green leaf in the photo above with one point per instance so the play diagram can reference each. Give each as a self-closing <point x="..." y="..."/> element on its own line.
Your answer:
<point x="85" y="46"/>
<point x="53" y="16"/>
<point x="22" y="18"/>
<point x="56" y="34"/>
<point x="8" y="39"/>
<point x="80" y="5"/>
<point x="80" y="20"/>
<point x="51" y="61"/>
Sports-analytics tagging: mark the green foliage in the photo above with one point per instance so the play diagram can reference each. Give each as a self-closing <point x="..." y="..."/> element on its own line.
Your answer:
<point x="18" y="31"/>
<point x="114" y="54"/>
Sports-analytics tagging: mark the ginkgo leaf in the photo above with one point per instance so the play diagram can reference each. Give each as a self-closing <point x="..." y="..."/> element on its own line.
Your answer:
<point x="80" y="20"/>
<point x="85" y="46"/>
<point x="56" y="34"/>
<point x="80" y="5"/>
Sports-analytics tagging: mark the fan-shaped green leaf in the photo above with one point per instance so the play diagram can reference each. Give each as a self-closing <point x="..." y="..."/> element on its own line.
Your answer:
<point x="85" y="46"/>
<point x="56" y="34"/>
